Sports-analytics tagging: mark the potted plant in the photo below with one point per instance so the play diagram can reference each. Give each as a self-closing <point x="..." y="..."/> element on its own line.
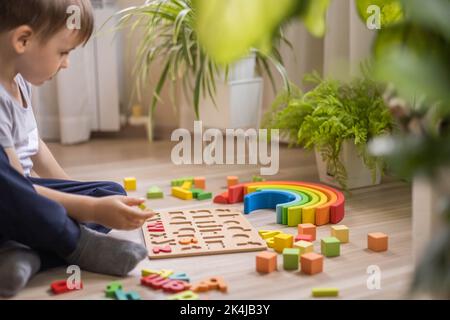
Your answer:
<point x="336" y="119"/>
<point x="170" y="39"/>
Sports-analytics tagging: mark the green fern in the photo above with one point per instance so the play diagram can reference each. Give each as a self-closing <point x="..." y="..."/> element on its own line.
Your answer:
<point x="330" y="114"/>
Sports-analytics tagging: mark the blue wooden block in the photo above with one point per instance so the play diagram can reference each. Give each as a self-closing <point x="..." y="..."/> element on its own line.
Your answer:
<point x="180" y="276"/>
<point x="270" y="199"/>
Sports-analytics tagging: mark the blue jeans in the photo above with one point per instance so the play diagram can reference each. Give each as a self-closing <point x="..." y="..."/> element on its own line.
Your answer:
<point x="38" y="222"/>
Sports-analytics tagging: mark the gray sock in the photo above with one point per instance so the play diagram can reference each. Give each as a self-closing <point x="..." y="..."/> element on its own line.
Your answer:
<point x="99" y="253"/>
<point x="18" y="264"/>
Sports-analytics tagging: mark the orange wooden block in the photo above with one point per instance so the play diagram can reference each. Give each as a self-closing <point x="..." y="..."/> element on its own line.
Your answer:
<point x="214" y="283"/>
<point x="266" y="262"/>
<point x="200" y="183"/>
<point x="232" y="181"/>
<point x="377" y="241"/>
<point x="307" y="228"/>
<point x="311" y="263"/>
<point x="322" y="216"/>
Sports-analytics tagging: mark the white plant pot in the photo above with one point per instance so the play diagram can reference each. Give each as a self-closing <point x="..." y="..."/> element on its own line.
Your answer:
<point x="238" y="105"/>
<point x="243" y="69"/>
<point x="358" y="174"/>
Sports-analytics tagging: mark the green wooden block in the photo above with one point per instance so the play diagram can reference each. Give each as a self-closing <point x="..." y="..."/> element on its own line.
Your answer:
<point x="204" y="196"/>
<point x="196" y="192"/>
<point x="330" y="247"/>
<point x="154" y="193"/>
<point x="291" y="258"/>
<point x="111" y="289"/>
<point x="179" y="182"/>
<point x="325" y="292"/>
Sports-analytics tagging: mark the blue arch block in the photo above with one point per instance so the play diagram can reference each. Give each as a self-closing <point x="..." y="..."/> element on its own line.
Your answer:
<point x="269" y="199"/>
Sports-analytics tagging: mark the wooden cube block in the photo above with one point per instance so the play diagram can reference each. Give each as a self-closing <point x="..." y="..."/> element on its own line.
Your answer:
<point x="232" y="180"/>
<point x="304" y="246"/>
<point x="282" y="241"/>
<point x="311" y="263"/>
<point x="266" y="262"/>
<point x="341" y="232"/>
<point x="377" y="241"/>
<point x="291" y="258"/>
<point x="204" y="196"/>
<point x="154" y="193"/>
<point x="304" y="237"/>
<point x="258" y="179"/>
<point x="330" y="247"/>
<point x="200" y="183"/>
<point x="307" y="228"/>
<point x="130" y="184"/>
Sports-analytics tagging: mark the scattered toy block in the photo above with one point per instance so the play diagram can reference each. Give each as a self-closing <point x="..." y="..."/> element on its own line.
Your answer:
<point x="130" y="184"/>
<point x="304" y="237"/>
<point x="181" y="193"/>
<point x="154" y="281"/>
<point x="258" y="179"/>
<point x="304" y="246"/>
<point x="222" y="198"/>
<point x="232" y="181"/>
<point x="200" y="183"/>
<point x="174" y="286"/>
<point x="213" y="283"/>
<point x="111" y="289"/>
<point x="325" y="292"/>
<point x="154" y="193"/>
<point x="204" y="196"/>
<point x="121" y="295"/>
<point x="311" y="263"/>
<point x="60" y="286"/>
<point x="266" y="262"/>
<point x="181" y="276"/>
<point x="291" y="258"/>
<point x="196" y="192"/>
<point x="282" y="241"/>
<point x="341" y="232"/>
<point x="270" y="243"/>
<point x="187" y="185"/>
<point x="267" y="234"/>
<point x="330" y="247"/>
<point x="307" y="228"/>
<point x="377" y="241"/>
<point x="179" y="182"/>
<point x="185" y="295"/>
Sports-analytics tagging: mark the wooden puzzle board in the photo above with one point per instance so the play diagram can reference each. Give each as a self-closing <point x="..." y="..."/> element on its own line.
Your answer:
<point x="200" y="232"/>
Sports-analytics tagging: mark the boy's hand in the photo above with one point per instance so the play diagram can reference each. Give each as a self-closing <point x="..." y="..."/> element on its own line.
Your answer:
<point x="120" y="212"/>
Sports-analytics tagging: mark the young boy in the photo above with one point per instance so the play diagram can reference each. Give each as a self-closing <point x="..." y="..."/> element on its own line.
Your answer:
<point x="48" y="219"/>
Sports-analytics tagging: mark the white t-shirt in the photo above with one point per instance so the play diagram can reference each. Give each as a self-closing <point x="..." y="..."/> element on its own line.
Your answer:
<point x="18" y="128"/>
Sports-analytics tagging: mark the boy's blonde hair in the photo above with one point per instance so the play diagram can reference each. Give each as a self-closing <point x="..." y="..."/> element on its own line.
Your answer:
<point x="45" y="17"/>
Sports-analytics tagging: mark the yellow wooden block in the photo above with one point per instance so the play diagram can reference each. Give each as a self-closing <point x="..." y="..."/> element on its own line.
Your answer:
<point x="325" y="292"/>
<point x="129" y="184"/>
<point x="282" y="241"/>
<point x="304" y="246"/>
<point x="270" y="242"/>
<point x="267" y="234"/>
<point x="163" y="272"/>
<point x="187" y="185"/>
<point x="309" y="215"/>
<point x="182" y="193"/>
<point x="341" y="232"/>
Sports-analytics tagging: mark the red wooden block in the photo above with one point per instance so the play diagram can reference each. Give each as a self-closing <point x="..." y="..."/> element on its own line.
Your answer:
<point x="304" y="237"/>
<point x="158" y="249"/>
<point x="221" y="198"/>
<point x="236" y="193"/>
<point x="60" y="286"/>
<point x="154" y="281"/>
<point x="174" y="286"/>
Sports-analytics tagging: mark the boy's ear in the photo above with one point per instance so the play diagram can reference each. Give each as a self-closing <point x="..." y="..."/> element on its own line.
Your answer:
<point x="21" y="38"/>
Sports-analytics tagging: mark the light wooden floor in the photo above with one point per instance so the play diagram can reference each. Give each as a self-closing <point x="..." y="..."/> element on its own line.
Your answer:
<point x="385" y="208"/>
